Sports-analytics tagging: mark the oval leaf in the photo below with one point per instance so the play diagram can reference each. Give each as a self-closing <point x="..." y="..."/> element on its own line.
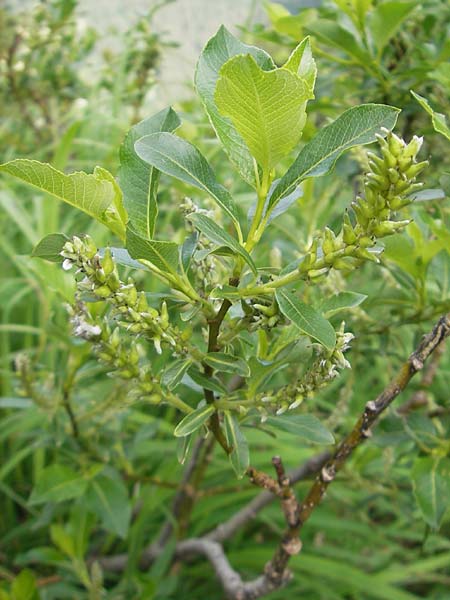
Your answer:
<point x="266" y="107"/>
<point x="219" y="49"/>
<point x="306" y="427"/>
<point x="93" y="194"/>
<point x="193" y="420"/>
<point x="174" y="373"/>
<point x="108" y="499"/>
<point x="307" y="319"/>
<point x="227" y="363"/>
<point x="164" y="255"/>
<point x="57" y="483"/>
<point x="176" y="157"/>
<point x="356" y="126"/>
<point x="239" y="456"/>
<point x="208" y="383"/>
<point x="220" y="237"/>
<point x="139" y="183"/>
<point x="431" y="484"/>
<point x="50" y="247"/>
<point x="340" y="302"/>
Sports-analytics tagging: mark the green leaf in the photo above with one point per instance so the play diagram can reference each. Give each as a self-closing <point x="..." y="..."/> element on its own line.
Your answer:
<point x="226" y="291"/>
<point x="431" y="484"/>
<point x="307" y="319"/>
<point x="50" y="247"/>
<point x="438" y="119"/>
<point x="24" y="586"/>
<point x="176" y="157"/>
<point x="268" y="108"/>
<point x="193" y="420"/>
<point x="356" y="126"/>
<point x="93" y="194"/>
<point x="306" y="427"/>
<point x="57" y="483"/>
<point x="227" y="363"/>
<point x="63" y="540"/>
<point x="122" y="257"/>
<point x="139" y="182"/>
<point x="209" y="383"/>
<point x="332" y="34"/>
<point x="220" y="237"/>
<point x="283" y="205"/>
<point x="174" y="372"/>
<point x="108" y="499"/>
<point x="386" y="18"/>
<point x="183" y="447"/>
<point x="105" y="175"/>
<point x="340" y="302"/>
<point x="188" y="249"/>
<point x="219" y="49"/>
<point x="239" y="456"/>
<point x="163" y="255"/>
<point x="301" y="63"/>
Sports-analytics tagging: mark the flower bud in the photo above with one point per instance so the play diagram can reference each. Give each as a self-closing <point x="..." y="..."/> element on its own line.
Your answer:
<point x="384" y="228"/>
<point x="396" y="144"/>
<point x="348" y="233"/>
<point x="113" y="281"/>
<point x="365" y="254"/>
<point x="360" y="214"/>
<point x="412" y="149"/>
<point x="376" y="163"/>
<point x="389" y="159"/>
<point x="90" y="249"/>
<point x="78" y="244"/>
<point x="343" y="264"/>
<point x="415" y="169"/>
<point x="381" y="182"/>
<point x="393" y="175"/>
<point x="329" y="241"/>
<point x="137" y="318"/>
<point x="366" y="241"/>
<point x="404" y="163"/>
<point x="67" y="264"/>
<point x="164" y="316"/>
<point x="133" y="355"/>
<point x="142" y="304"/>
<point x="107" y="262"/>
<point x="103" y="291"/>
<point x="316" y="273"/>
<point x="131" y="294"/>
<point x="115" y="338"/>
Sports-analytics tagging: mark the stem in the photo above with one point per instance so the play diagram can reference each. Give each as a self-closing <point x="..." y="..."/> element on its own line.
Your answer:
<point x="262" y="191"/>
<point x="68" y="408"/>
<point x="214" y="329"/>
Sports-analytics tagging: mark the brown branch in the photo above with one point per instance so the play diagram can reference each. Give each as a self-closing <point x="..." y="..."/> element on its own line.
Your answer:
<point x="420" y="397"/>
<point x="69" y="410"/>
<point x="372" y="410"/>
<point x="213" y="333"/>
<point x="222" y="532"/>
<point x="226" y="530"/>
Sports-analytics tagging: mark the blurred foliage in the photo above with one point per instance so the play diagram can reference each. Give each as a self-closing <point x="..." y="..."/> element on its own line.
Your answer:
<point x="369" y="539"/>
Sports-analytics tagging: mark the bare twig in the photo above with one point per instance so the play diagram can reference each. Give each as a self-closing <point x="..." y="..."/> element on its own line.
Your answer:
<point x="226" y="530"/>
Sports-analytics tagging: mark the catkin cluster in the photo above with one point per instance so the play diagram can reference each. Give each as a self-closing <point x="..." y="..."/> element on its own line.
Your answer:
<point x="130" y="306"/>
<point x="387" y="188"/>
<point x="325" y="368"/>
